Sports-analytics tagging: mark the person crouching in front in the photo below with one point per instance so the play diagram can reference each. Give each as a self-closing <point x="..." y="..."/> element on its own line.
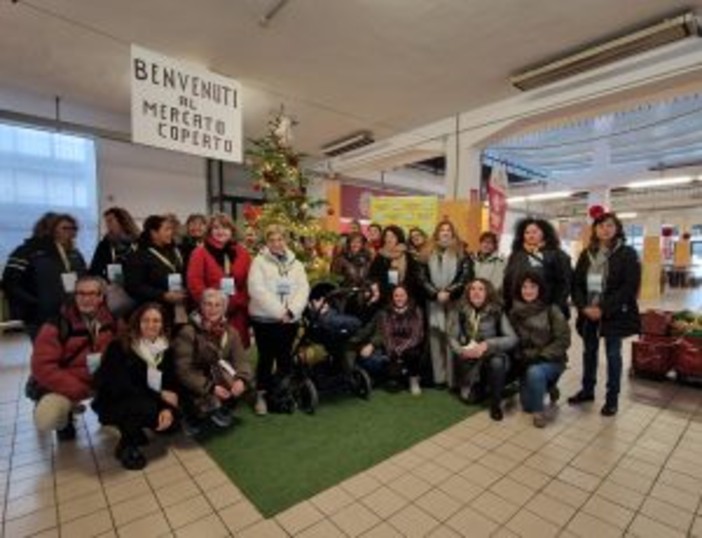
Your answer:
<point x="544" y="339"/>
<point x="481" y="338"/>
<point x="211" y="364"/>
<point x="136" y="385"/>
<point x="67" y="351"/>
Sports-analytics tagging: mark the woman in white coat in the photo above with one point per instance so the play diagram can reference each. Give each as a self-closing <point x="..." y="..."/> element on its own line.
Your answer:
<point x="278" y="290"/>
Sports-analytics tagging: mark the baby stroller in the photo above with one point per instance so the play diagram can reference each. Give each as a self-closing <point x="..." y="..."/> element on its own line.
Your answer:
<point x="319" y="352"/>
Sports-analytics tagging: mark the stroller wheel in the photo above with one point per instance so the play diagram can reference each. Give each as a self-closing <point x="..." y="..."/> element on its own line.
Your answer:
<point x="361" y="383"/>
<point x="306" y="396"/>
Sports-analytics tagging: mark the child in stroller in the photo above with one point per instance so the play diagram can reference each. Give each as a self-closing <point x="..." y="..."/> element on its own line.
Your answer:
<point x="320" y="352"/>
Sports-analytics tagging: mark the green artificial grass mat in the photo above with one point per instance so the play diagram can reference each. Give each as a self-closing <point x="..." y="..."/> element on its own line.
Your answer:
<point x="280" y="460"/>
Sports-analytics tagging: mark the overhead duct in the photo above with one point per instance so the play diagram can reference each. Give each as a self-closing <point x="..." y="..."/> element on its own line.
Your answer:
<point x="348" y="143"/>
<point x="663" y="33"/>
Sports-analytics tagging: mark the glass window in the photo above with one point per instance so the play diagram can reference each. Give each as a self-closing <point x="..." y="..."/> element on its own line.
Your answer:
<point x="44" y="171"/>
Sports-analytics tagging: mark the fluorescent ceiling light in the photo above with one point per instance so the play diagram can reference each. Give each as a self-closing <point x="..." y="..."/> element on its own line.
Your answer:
<point x="661" y="182"/>
<point x="540" y="197"/>
<point x="626" y="46"/>
<point x="628" y="215"/>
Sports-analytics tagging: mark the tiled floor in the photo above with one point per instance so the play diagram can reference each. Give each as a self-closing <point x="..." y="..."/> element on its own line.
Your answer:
<point x="638" y="474"/>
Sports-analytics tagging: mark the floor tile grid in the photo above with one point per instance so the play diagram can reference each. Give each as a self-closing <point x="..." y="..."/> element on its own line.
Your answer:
<point x="480" y="428"/>
<point x="179" y="463"/>
<point x="603" y="428"/>
<point x="14" y="378"/>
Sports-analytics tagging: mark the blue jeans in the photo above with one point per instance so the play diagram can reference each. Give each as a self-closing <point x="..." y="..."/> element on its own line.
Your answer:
<point x="613" y="352"/>
<point x="537" y="380"/>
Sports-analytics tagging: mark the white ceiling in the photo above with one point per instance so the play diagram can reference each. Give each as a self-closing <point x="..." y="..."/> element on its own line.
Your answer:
<point x="337" y="65"/>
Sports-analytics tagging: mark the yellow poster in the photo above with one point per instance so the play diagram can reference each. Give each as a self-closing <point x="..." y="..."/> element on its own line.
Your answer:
<point x="682" y="257"/>
<point x="652" y="249"/>
<point x="405" y="211"/>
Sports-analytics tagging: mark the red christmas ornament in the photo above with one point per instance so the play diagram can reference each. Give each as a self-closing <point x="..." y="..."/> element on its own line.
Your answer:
<point x="596" y="211"/>
<point x="686" y="236"/>
<point x="251" y="213"/>
<point x="666" y="231"/>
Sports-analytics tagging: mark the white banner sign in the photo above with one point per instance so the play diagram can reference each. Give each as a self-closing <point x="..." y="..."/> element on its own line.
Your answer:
<point x="184" y="107"/>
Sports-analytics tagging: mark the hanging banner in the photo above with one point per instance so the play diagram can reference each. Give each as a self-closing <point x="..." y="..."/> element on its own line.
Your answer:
<point x="184" y="107"/>
<point x="497" y="198"/>
<point x="405" y="211"/>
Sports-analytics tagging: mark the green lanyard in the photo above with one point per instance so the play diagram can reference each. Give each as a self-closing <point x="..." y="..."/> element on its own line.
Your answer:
<point x="166" y="261"/>
<point x="64" y="257"/>
<point x="474" y="322"/>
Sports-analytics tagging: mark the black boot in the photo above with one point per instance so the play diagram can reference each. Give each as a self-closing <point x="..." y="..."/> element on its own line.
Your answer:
<point x="130" y="456"/>
<point x="581" y="397"/>
<point x="610" y="408"/>
<point x="68" y="432"/>
<point x="496" y="412"/>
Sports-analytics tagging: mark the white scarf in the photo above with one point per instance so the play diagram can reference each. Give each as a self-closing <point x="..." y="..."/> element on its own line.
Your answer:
<point x="151" y="352"/>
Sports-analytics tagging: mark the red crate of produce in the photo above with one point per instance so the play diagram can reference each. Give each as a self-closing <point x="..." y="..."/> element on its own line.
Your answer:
<point x="656" y="322"/>
<point x="688" y="357"/>
<point x="653" y="355"/>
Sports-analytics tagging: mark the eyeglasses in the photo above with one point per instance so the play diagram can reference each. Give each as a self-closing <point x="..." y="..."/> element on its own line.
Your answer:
<point x="88" y="293"/>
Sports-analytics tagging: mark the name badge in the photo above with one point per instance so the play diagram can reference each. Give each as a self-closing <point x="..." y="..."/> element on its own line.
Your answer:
<point x="227" y="367"/>
<point x="154" y="378"/>
<point x="595" y="282"/>
<point x="175" y="282"/>
<point x="393" y="277"/>
<point x="93" y="362"/>
<point x="283" y="287"/>
<point x="69" y="282"/>
<point x="227" y="285"/>
<point x="115" y="273"/>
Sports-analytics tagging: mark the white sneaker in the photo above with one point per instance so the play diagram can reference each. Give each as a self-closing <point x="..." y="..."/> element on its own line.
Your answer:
<point x="261" y="407"/>
<point x="415" y="389"/>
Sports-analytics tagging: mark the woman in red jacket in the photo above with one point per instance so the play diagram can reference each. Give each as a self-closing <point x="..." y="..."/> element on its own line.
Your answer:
<point x="223" y="264"/>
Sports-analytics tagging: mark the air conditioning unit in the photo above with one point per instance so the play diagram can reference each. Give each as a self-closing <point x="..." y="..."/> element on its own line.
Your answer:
<point x="348" y="143"/>
<point x="663" y="33"/>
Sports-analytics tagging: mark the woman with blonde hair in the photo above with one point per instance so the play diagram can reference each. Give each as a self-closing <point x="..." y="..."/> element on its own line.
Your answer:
<point x="444" y="278"/>
<point x="223" y="263"/>
<point x="278" y="290"/>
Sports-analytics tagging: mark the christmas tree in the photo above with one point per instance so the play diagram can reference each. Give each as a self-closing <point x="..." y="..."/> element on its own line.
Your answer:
<point x="277" y="172"/>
